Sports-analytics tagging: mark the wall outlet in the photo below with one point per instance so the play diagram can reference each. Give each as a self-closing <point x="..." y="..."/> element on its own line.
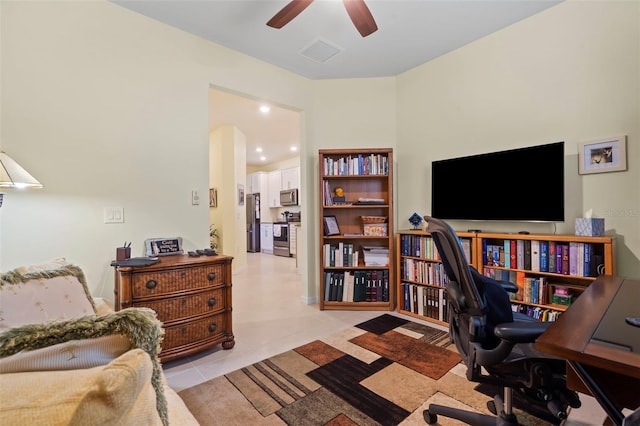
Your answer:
<point x="195" y="197"/>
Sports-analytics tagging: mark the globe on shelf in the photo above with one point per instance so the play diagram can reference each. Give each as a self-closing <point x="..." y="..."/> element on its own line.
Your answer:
<point x="415" y="220"/>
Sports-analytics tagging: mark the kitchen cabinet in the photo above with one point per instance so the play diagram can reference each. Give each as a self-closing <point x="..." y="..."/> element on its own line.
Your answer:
<point x="257" y="183"/>
<point x="275" y="185"/>
<point x="290" y="178"/>
<point x="293" y="239"/>
<point x="266" y="237"/>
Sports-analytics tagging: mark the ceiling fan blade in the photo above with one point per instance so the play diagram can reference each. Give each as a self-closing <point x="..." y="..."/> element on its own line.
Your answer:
<point x="287" y="13"/>
<point x="361" y="16"/>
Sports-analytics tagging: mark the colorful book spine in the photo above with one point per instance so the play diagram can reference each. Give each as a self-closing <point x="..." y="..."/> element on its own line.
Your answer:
<point x="573" y="258"/>
<point x="513" y="251"/>
<point x="535" y="255"/>
<point x="520" y="254"/>
<point x="544" y="256"/>
<point x="507" y="253"/>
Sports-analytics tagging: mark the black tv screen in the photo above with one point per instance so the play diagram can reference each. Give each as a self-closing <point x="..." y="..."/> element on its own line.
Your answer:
<point x="523" y="184"/>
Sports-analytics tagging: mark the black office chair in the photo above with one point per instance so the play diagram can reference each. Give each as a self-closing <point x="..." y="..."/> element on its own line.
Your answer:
<point x="495" y="344"/>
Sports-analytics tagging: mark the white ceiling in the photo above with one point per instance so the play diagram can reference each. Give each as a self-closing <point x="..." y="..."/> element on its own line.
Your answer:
<point x="410" y="33"/>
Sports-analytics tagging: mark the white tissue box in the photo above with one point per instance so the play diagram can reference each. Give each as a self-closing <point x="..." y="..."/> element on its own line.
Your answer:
<point x="589" y="227"/>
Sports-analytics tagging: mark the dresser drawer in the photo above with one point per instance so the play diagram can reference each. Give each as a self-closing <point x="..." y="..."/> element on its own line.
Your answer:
<point x="187" y="306"/>
<point x="192" y="297"/>
<point x="163" y="282"/>
<point x="200" y="330"/>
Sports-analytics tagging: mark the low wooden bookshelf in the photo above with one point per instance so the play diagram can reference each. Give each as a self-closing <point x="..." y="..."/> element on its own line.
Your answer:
<point x="546" y="288"/>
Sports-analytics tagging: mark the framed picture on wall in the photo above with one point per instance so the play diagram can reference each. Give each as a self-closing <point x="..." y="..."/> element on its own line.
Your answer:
<point x="213" y="197"/>
<point x="603" y="155"/>
<point x="241" y="195"/>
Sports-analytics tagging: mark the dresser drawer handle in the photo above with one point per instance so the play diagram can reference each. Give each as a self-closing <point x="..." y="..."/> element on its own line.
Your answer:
<point x="211" y="276"/>
<point x="212" y="302"/>
<point x="212" y="327"/>
<point x="151" y="284"/>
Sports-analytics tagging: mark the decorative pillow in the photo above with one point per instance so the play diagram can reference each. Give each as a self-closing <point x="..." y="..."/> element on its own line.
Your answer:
<point x="42" y="295"/>
<point x="119" y="393"/>
<point x="52" y="264"/>
<point x="69" y="355"/>
<point x="139" y="325"/>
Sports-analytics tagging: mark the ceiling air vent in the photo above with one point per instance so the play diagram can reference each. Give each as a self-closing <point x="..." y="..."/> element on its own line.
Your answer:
<point x="320" y="51"/>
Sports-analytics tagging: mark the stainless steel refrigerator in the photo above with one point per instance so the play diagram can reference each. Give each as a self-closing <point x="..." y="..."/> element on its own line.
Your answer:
<point x="252" y="201"/>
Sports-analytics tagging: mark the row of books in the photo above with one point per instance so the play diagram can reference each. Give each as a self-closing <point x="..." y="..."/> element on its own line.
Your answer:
<point x="430" y="302"/>
<point x="340" y="254"/>
<point x="424" y="247"/>
<point x="536" y="290"/>
<point x="423" y="272"/>
<point x="572" y="258"/>
<point x="353" y="165"/>
<point x="356" y="286"/>
<point x="542" y="314"/>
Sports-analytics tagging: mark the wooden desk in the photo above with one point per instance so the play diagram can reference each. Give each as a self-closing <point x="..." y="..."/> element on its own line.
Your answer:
<point x="608" y="372"/>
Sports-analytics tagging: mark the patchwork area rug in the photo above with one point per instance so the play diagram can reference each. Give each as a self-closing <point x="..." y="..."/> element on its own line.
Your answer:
<point x="384" y="371"/>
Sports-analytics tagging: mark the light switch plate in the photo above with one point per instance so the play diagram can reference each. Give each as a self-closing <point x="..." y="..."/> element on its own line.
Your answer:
<point x="114" y="215"/>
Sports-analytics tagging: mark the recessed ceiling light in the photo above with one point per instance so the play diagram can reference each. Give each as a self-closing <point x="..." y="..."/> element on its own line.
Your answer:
<point x="263" y="158"/>
<point x="294" y="148"/>
<point x="265" y="108"/>
<point x="258" y="149"/>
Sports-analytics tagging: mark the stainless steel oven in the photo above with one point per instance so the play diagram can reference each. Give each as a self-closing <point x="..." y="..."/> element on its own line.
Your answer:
<point x="281" y="239"/>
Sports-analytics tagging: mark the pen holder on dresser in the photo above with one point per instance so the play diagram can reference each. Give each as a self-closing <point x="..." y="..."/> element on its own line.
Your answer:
<point x="123" y="253"/>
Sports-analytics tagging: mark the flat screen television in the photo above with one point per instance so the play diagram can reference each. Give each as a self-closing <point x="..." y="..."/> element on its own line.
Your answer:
<point x="523" y="184"/>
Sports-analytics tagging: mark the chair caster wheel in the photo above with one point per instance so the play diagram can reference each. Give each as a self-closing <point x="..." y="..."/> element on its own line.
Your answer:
<point x="429" y="418"/>
<point x="491" y="406"/>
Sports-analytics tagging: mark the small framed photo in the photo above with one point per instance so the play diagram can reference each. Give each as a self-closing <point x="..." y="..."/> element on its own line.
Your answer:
<point x="213" y="197"/>
<point x="241" y="195"/>
<point x="603" y="155"/>
<point x="331" y="226"/>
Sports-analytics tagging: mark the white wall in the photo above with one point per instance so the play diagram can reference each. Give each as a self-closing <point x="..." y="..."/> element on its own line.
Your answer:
<point x="570" y="73"/>
<point x="109" y="108"/>
<point x="228" y="150"/>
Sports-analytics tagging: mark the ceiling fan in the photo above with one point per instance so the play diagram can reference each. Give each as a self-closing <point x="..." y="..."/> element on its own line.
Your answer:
<point x="357" y="10"/>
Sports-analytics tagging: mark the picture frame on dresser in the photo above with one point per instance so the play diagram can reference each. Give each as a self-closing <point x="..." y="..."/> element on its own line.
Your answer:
<point x="331" y="226"/>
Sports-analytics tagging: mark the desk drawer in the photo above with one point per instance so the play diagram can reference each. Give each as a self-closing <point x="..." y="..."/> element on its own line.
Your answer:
<point x="163" y="282"/>
<point x="187" y="306"/>
<point x="199" y="330"/>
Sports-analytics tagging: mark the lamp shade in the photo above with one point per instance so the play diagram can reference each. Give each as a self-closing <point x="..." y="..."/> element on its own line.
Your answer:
<point x="12" y="175"/>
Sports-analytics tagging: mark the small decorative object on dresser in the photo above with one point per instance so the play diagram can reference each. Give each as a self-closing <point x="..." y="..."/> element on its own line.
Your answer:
<point x="191" y="296"/>
<point x="163" y="246"/>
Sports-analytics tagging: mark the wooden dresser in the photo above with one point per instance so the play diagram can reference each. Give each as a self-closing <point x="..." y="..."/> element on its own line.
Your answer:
<point x="191" y="295"/>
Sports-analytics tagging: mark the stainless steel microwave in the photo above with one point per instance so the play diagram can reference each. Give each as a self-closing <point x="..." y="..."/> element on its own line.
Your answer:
<point x="289" y="197"/>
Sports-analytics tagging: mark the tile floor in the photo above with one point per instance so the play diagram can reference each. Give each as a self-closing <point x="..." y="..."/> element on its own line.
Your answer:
<point x="269" y="318"/>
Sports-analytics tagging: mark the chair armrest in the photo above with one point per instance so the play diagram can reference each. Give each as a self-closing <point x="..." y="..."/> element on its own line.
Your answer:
<point x="521" y="332"/>
<point x="508" y="286"/>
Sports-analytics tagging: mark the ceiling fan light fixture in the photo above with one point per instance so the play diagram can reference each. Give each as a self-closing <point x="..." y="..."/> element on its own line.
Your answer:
<point x="361" y="17"/>
<point x="287" y="13"/>
<point x="357" y="9"/>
